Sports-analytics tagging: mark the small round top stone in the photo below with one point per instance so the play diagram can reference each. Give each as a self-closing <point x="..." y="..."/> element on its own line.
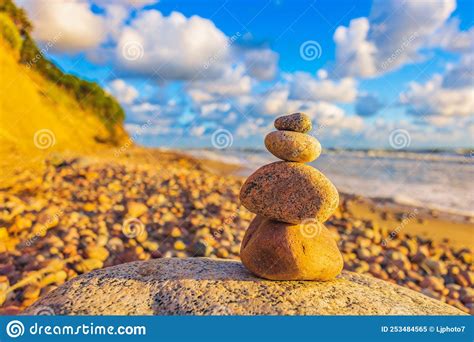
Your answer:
<point x="297" y="122"/>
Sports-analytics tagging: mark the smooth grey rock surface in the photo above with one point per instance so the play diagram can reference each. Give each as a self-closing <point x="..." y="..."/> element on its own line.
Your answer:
<point x="203" y="286"/>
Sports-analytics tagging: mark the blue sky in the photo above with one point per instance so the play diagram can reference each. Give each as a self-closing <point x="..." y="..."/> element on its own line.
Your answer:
<point x="363" y="70"/>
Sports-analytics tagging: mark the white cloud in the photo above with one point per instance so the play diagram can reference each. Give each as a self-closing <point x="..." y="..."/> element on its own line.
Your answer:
<point x="451" y="38"/>
<point x="210" y="109"/>
<point x="244" y="103"/>
<point x="145" y="43"/>
<point x="315" y="100"/>
<point x="330" y="118"/>
<point x="197" y="131"/>
<point x="333" y="119"/>
<point x="304" y="86"/>
<point x="233" y="81"/>
<point x="392" y="22"/>
<point x="123" y="92"/>
<point x="432" y="99"/>
<point x="274" y="102"/>
<point x="145" y="107"/>
<point x="73" y="21"/>
<point x="215" y="98"/>
<point x="355" y="55"/>
<point x="449" y="132"/>
<point x="173" y="47"/>
<point x="146" y="112"/>
<point x="322" y="74"/>
<point x="261" y="63"/>
<point x="461" y="75"/>
<point x="200" y="96"/>
<point x="256" y="127"/>
<point x="125" y="3"/>
<point x="391" y="37"/>
<point x="439" y="120"/>
<point x="230" y="118"/>
<point x="115" y="16"/>
<point x="443" y="96"/>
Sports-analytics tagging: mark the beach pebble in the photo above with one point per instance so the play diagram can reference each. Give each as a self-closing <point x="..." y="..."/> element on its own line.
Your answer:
<point x="433" y="282"/>
<point x="469" y="277"/>
<point x="454" y="294"/>
<point x="466" y="257"/>
<point x="293" y="146"/>
<point x="89" y="207"/>
<point x="470" y="307"/>
<point x="289" y="192"/>
<point x="363" y="253"/>
<point x="281" y="251"/>
<point x="363" y="267"/>
<point x="431" y="293"/>
<point x="151" y="246"/>
<point x="32" y="292"/>
<point x="467" y="295"/>
<point x="136" y="209"/>
<point x="411" y="245"/>
<point x="96" y="252"/>
<point x="437" y="266"/>
<point x="142" y="236"/>
<point x="414" y="275"/>
<point x="461" y="280"/>
<point x="421" y="255"/>
<point x="222" y="253"/>
<point x="453" y="270"/>
<point x="375" y="269"/>
<point x="175" y="232"/>
<point x="297" y="122"/>
<point x="179" y="245"/>
<point x="200" y="249"/>
<point x="10" y="310"/>
<point x="115" y="244"/>
<point x="88" y="265"/>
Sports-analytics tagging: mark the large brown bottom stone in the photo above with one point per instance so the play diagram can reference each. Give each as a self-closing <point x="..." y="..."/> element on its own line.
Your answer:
<point x="284" y="251"/>
<point x="202" y="286"/>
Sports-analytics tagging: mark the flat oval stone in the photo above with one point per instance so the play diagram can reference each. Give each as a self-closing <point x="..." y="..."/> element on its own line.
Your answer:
<point x="293" y="146"/>
<point x="283" y="251"/>
<point x="297" y="122"/>
<point x="289" y="192"/>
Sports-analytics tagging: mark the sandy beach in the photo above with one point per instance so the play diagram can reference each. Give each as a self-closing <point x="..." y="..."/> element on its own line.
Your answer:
<point x="453" y="230"/>
<point x="80" y="213"/>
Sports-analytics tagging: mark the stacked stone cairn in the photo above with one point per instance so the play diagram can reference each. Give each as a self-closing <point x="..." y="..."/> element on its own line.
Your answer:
<point x="287" y="239"/>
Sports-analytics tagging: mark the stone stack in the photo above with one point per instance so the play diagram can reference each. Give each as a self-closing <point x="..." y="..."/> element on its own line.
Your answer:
<point x="287" y="239"/>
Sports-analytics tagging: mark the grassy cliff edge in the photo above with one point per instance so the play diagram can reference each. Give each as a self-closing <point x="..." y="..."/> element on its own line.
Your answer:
<point x="44" y="110"/>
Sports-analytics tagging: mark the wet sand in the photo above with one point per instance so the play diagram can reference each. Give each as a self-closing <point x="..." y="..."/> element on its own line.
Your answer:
<point x="455" y="230"/>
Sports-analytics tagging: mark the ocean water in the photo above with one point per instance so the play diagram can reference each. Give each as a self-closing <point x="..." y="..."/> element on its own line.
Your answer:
<point x="442" y="181"/>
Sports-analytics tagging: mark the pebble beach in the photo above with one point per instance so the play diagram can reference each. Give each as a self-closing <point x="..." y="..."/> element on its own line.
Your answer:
<point x="80" y="213"/>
